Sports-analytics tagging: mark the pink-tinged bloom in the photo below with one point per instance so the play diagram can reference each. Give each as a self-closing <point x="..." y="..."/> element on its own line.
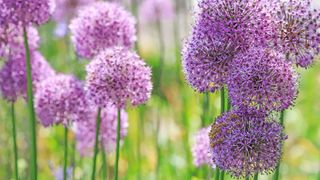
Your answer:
<point x="151" y="10"/>
<point x="201" y="149"/>
<point x="67" y="9"/>
<point x="102" y="25"/>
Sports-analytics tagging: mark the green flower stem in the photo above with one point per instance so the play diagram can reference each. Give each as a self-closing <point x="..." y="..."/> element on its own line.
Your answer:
<point x="65" y="153"/>
<point x="14" y="135"/>
<point x="104" y="163"/>
<point x="205" y="107"/>
<point x="256" y="176"/>
<point x="277" y="173"/>
<point x="247" y="178"/>
<point x="96" y="146"/>
<point x="217" y="176"/>
<point x="118" y="146"/>
<point x="222" y="175"/>
<point x="32" y="117"/>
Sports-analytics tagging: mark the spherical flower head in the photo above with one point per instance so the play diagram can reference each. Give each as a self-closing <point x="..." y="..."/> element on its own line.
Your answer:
<point x="66" y="9"/>
<point x="244" y="22"/>
<point x="11" y="39"/>
<point x="201" y="149"/>
<point x="102" y="25"/>
<point x="117" y="75"/>
<point x="261" y="79"/>
<point x="26" y="12"/>
<point x="206" y="59"/>
<point x="243" y="144"/>
<point x="86" y="130"/>
<point x="13" y="76"/>
<point x="153" y="10"/>
<point x="297" y="33"/>
<point x="60" y="99"/>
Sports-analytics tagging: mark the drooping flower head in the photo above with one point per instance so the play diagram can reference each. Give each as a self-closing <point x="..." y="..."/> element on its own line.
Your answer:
<point x="26" y="12"/>
<point x="261" y="79"/>
<point x="297" y="33"/>
<point x="102" y="25"/>
<point x="243" y="144"/>
<point x="152" y="10"/>
<point x="11" y="39"/>
<point x="13" y="76"/>
<point x="201" y="149"/>
<point x="61" y="99"/>
<point x="117" y="75"/>
<point x="86" y="130"/>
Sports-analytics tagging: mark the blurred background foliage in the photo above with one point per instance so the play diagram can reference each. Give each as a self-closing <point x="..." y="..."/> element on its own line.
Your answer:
<point x="180" y="110"/>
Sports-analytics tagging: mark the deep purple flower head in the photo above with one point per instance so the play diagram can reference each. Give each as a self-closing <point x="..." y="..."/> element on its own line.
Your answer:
<point x="26" y="12"/>
<point x="61" y="99"/>
<point x="151" y="10"/>
<point x="13" y="77"/>
<point x="11" y="39"/>
<point x="261" y="79"/>
<point x="201" y="149"/>
<point x="86" y="130"/>
<point x="206" y="59"/>
<point x="243" y="144"/>
<point x="102" y="25"/>
<point x="297" y="33"/>
<point x="117" y="75"/>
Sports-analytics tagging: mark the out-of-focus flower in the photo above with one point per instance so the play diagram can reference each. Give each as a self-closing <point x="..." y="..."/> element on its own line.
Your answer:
<point x="261" y="79"/>
<point x="60" y="99"/>
<point x="297" y="33"/>
<point x="13" y="76"/>
<point x="26" y="12"/>
<point x="102" y="25"/>
<point x="86" y="130"/>
<point x="244" y="144"/>
<point x="151" y="10"/>
<point x="117" y="75"/>
<point x="66" y="9"/>
<point x="58" y="172"/>
<point x="201" y="149"/>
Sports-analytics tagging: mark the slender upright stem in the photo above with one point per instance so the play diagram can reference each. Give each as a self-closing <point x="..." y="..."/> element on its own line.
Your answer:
<point x="96" y="146"/>
<point x="222" y="108"/>
<point x="205" y="108"/>
<point x="65" y="153"/>
<point x="14" y="136"/>
<point x="32" y="117"/>
<point x="222" y="175"/>
<point x="104" y="163"/>
<point x="73" y="161"/>
<point x="277" y="173"/>
<point x="217" y="175"/>
<point x="118" y="145"/>
<point x="247" y="178"/>
<point x="256" y="176"/>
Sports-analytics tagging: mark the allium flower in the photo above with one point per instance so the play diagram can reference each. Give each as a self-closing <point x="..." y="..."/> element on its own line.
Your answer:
<point x="11" y="39"/>
<point x="201" y="149"/>
<point x="26" y="12"/>
<point x="86" y="130"/>
<point x="244" y="144"/>
<point x="261" y="79"/>
<point x="117" y="75"/>
<point x="60" y="99"/>
<point x="151" y="10"/>
<point x="297" y="33"/>
<point x="13" y="77"/>
<point x="102" y="25"/>
<point x="66" y="9"/>
<point x="206" y="59"/>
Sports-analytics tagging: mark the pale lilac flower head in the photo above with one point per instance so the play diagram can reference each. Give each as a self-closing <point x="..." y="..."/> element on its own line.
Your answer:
<point x="66" y="9"/>
<point x="58" y="173"/>
<point x="201" y="149"/>
<point x="11" y="39"/>
<point x="13" y="77"/>
<point x="86" y="130"/>
<point x="61" y="99"/>
<point x="297" y="33"/>
<point x="102" y="25"/>
<point x="261" y="79"/>
<point x="117" y="75"/>
<point x="153" y="10"/>
<point x="26" y="12"/>
<point x="243" y="144"/>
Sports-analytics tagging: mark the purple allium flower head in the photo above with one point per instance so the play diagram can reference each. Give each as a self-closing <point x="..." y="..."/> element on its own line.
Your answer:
<point x="13" y="77"/>
<point x="206" y="58"/>
<point x="66" y="9"/>
<point x="117" y="75"/>
<point x="102" y="25"/>
<point x="261" y="79"/>
<point x="201" y="149"/>
<point x="243" y="144"/>
<point x="26" y="12"/>
<point x="297" y="33"/>
<point x="151" y="10"/>
<point x="11" y="39"/>
<point x="61" y="99"/>
<point x="86" y="130"/>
